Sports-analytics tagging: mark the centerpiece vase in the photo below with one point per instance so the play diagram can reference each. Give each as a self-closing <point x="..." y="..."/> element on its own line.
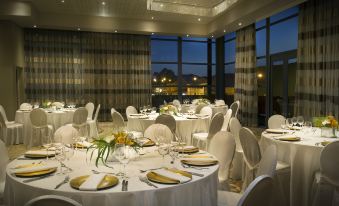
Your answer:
<point x="328" y="132"/>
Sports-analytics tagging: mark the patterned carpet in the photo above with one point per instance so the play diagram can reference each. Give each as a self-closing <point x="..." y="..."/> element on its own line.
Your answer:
<point x="232" y="185"/>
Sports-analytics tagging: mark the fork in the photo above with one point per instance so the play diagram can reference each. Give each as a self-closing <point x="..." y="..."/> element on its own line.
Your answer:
<point x="142" y="171"/>
<point x="189" y="166"/>
<point x="63" y="182"/>
<point x="145" y="180"/>
<point x="98" y="172"/>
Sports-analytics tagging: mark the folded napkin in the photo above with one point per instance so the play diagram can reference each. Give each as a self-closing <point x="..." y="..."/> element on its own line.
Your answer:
<point x="92" y="182"/>
<point x="203" y="159"/>
<point x="197" y="156"/>
<point x="40" y="152"/>
<point x="38" y="167"/>
<point x="142" y="141"/>
<point x="276" y="131"/>
<point x="172" y="175"/>
<point x="188" y="147"/>
<point x="84" y="144"/>
<point x="288" y="138"/>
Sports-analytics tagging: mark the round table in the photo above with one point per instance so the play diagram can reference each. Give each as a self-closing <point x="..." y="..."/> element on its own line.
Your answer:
<point x="57" y="118"/>
<point x="184" y="125"/>
<point x="199" y="191"/>
<point x="304" y="158"/>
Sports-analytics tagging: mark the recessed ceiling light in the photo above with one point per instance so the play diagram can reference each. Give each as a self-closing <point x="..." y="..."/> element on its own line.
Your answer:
<point x="212" y="36"/>
<point x="79" y="29"/>
<point x="187" y="35"/>
<point x="103" y="3"/>
<point x="62" y="1"/>
<point x="224" y="30"/>
<point x="239" y="24"/>
<point x="161" y="5"/>
<point x="34" y="26"/>
<point x="199" y="19"/>
<point x="152" y="33"/>
<point x="115" y="31"/>
<point x="152" y="17"/>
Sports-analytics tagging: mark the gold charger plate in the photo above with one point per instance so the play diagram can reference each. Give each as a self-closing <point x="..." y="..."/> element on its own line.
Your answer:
<point x="275" y="131"/>
<point x="324" y="143"/>
<point x="150" y="143"/>
<point x="155" y="177"/>
<point x="290" y="139"/>
<point x="196" y="162"/>
<point x="38" y="156"/>
<point x="79" y="146"/>
<point x="107" y="182"/>
<point x="36" y="173"/>
<point x="188" y="150"/>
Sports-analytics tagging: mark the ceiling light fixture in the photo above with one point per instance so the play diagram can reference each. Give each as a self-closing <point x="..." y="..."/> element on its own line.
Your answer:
<point x="239" y="24"/>
<point x="34" y="26"/>
<point x="62" y="1"/>
<point x="152" y="33"/>
<point x="212" y="36"/>
<point x="224" y="30"/>
<point x="79" y="29"/>
<point x="115" y="31"/>
<point x="187" y="35"/>
<point x="161" y="5"/>
<point x="152" y="17"/>
<point x="199" y="19"/>
<point x="103" y="3"/>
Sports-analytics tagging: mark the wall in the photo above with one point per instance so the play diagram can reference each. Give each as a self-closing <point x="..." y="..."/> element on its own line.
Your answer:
<point x="11" y="57"/>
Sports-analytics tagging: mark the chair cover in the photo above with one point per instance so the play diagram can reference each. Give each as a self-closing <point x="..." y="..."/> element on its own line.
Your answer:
<point x="235" y="107"/>
<point x="80" y="120"/>
<point x="52" y="200"/>
<point x="131" y="110"/>
<point x="176" y="103"/>
<point x="159" y="130"/>
<point x="238" y="159"/>
<point x="327" y="180"/>
<point x="66" y="134"/>
<point x="25" y="106"/>
<point x="275" y="121"/>
<point x="268" y="162"/>
<point x="10" y="133"/>
<point x="219" y="102"/>
<point x="4" y="159"/>
<point x="93" y="124"/>
<point x="227" y="119"/>
<point x="3" y="113"/>
<point x="167" y="120"/>
<point x="90" y="108"/>
<point x="113" y="110"/>
<point x="118" y="120"/>
<point x="40" y="129"/>
<point x="222" y="146"/>
<point x="200" y="107"/>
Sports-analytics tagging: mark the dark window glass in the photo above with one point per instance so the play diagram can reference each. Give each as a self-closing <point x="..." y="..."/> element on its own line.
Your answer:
<point x="164" y="51"/>
<point x="195" y="38"/>
<point x="260" y="23"/>
<point x="261" y="42"/>
<point x="261" y="62"/>
<point x="164" y="79"/>
<point x="213" y="53"/>
<point x="284" y="14"/>
<point x="230" y="36"/>
<point x="230" y="51"/>
<point x="163" y="37"/>
<point x="194" y="74"/>
<point x="194" y="52"/>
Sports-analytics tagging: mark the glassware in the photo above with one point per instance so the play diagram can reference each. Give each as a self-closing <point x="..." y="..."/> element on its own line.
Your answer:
<point x="300" y="121"/>
<point x="294" y="121"/>
<point x="122" y="153"/>
<point x="60" y="157"/>
<point x="173" y="151"/>
<point x="308" y="126"/>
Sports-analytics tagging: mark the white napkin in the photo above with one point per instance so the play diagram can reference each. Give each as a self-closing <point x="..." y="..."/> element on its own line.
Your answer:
<point x="40" y="152"/>
<point x="204" y="159"/>
<point x="39" y="167"/>
<point x="189" y="147"/>
<point x="84" y="143"/>
<point x="91" y="184"/>
<point x="172" y="175"/>
<point x="142" y="141"/>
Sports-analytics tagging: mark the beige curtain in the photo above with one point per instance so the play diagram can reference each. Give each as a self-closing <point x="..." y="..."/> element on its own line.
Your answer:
<point x="317" y="85"/>
<point x="245" y="76"/>
<point x="108" y="69"/>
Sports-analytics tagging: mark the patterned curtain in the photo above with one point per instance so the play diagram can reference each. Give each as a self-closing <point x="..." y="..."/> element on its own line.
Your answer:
<point x="108" y="69"/>
<point x="245" y="76"/>
<point x="317" y="86"/>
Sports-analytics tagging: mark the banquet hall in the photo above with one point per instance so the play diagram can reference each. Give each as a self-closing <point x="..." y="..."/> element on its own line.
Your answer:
<point x="169" y="102"/>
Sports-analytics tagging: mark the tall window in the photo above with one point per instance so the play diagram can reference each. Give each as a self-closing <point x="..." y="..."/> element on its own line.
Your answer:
<point x="229" y="67"/>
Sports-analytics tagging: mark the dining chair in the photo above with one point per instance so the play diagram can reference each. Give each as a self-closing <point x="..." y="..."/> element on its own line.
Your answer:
<point x="41" y="130"/>
<point x="235" y="107"/>
<point x="90" y="108"/>
<point x="131" y="110"/>
<point x="52" y="200"/>
<point x="93" y="124"/>
<point x="118" y="120"/>
<point x="66" y="134"/>
<point x="204" y="137"/>
<point x="25" y="106"/>
<point x="258" y="193"/>
<point x="268" y="162"/>
<point x="113" y="110"/>
<point x="155" y="131"/>
<point x="227" y="118"/>
<point x="222" y="146"/>
<point x="10" y="132"/>
<point x="326" y="181"/>
<point x="275" y="121"/>
<point x="80" y="121"/>
<point x="199" y="107"/>
<point x="167" y="120"/>
<point x="176" y="103"/>
<point x="238" y="159"/>
<point x="206" y="110"/>
<point x="4" y="159"/>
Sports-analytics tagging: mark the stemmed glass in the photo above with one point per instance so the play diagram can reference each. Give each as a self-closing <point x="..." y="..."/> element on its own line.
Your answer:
<point x="68" y="152"/>
<point x="121" y="152"/>
<point x="60" y="157"/>
<point x="163" y="150"/>
<point x="294" y="121"/>
<point x="173" y="151"/>
<point x="288" y="123"/>
<point x="300" y="121"/>
<point x="308" y="126"/>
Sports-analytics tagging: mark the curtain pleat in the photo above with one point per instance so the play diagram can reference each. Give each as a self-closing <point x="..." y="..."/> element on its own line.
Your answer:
<point x="108" y="69"/>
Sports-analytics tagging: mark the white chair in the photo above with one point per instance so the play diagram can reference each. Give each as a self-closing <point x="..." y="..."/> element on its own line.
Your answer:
<point x="204" y="137"/>
<point x="167" y="120"/>
<point x="275" y="121"/>
<point x="41" y="131"/>
<point x="227" y="118"/>
<point x="131" y="110"/>
<point x="176" y="103"/>
<point x="90" y="108"/>
<point x="219" y="102"/>
<point x="222" y="146"/>
<point x="113" y="110"/>
<point x="199" y="107"/>
<point x="206" y="110"/>
<point x="268" y="162"/>
<point x="52" y="200"/>
<point x="93" y="124"/>
<point x="155" y="131"/>
<point x="66" y="134"/>
<point x="80" y="121"/>
<point x="258" y="193"/>
<point x="25" y="106"/>
<point x="326" y="181"/>
<point x="238" y="159"/>
<point x="235" y="107"/>
<point x="4" y="159"/>
<point x="10" y="132"/>
<point x="118" y="120"/>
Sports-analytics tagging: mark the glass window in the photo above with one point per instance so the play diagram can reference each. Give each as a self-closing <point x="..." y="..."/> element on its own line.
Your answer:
<point x="260" y="23"/>
<point x="229" y="75"/>
<point x="230" y="51"/>
<point x="195" y="38"/>
<point x="194" y="52"/>
<point x="230" y="36"/>
<point x="164" y="51"/>
<point x="164" y="79"/>
<point x="163" y="37"/>
<point x="261" y="42"/>
<point x="194" y="74"/>
<point x="261" y="62"/>
<point x="284" y="14"/>
<point x="213" y="53"/>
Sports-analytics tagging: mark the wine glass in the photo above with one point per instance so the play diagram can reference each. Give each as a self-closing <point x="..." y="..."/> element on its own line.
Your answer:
<point x="121" y="153"/>
<point x="60" y="157"/>
<point x="69" y="153"/>
<point x="163" y="150"/>
<point x="288" y="122"/>
<point x="300" y="121"/>
<point x="294" y="121"/>
<point x="308" y="126"/>
<point x="174" y="152"/>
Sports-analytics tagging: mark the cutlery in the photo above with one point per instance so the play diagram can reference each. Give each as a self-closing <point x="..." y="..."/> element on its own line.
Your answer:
<point x="37" y="178"/>
<point x="69" y="169"/>
<point x="98" y="172"/>
<point x="195" y="174"/>
<point x="193" y="167"/>
<point x="126" y="185"/>
<point x="145" y="180"/>
<point x="123" y="185"/>
<point x="63" y="182"/>
<point x="142" y="171"/>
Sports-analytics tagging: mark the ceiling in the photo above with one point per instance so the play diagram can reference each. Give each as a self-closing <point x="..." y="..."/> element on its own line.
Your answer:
<point x="172" y="17"/>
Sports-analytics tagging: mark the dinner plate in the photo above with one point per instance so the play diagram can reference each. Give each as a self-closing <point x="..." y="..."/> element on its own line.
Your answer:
<point x="107" y="182"/>
<point x="290" y="139"/>
<point x="27" y="165"/>
<point x="155" y="177"/>
<point x="39" y="156"/>
<point x="324" y="143"/>
<point x="197" y="162"/>
<point x="188" y="150"/>
<point x="136" y="115"/>
<point x="150" y="143"/>
<point x="191" y="117"/>
<point x="275" y="131"/>
<point x="36" y="173"/>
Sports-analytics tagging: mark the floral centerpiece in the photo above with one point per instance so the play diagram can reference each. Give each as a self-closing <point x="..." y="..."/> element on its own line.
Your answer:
<point x="46" y="104"/>
<point x="200" y="101"/>
<point x="328" y="125"/>
<point x="168" y="109"/>
<point x="105" y="144"/>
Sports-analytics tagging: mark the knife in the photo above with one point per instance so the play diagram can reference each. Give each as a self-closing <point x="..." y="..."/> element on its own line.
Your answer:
<point x="37" y="178"/>
<point x="195" y="174"/>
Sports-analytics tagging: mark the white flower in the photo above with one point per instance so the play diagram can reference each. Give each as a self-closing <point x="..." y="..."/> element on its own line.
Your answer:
<point x="108" y="139"/>
<point x="326" y="122"/>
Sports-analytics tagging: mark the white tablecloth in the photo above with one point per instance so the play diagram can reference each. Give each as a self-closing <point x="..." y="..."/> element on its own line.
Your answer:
<point x="304" y="158"/>
<point x="200" y="191"/>
<point x="184" y="127"/>
<point x="55" y="118"/>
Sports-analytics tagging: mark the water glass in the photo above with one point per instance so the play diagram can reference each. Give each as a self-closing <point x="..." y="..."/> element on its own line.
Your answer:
<point x="173" y="152"/>
<point x="300" y="121"/>
<point x="122" y="153"/>
<point x="294" y="121"/>
<point x="308" y="126"/>
<point x="163" y="150"/>
<point x="60" y="157"/>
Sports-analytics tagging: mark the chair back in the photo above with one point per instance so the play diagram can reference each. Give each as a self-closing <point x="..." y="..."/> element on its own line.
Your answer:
<point x="206" y="110"/>
<point x="259" y="192"/>
<point x="4" y="159"/>
<point x="222" y="146"/>
<point x="329" y="163"/>
<point x="250" y="147"/>
<point x="275" y="121"/>
<point x="38" y="118"/>
<point x="97" y="113"/>
<point x="176" y="103"/>
<point x="199" y="107"/>
<point x="66" y="134"/>
<point x="167" y="120"/>
<point x="2" y="122"/>
<point x="216" y="124"/>
<point x="235" y="107"/>
<point x="90" y="108"/>
<point x="268" y="162"/>
<point x="52" y="200"/>
<point x="113" y="110"/>
<point x="131" y="110"/>
<point x="25" y="106"/>
<point x="227" y="118"/>
<point x="118" y="120"/>
<point x="80" y="116"/>
<point x="155" y="131"/>
<point x="3" y="113"/>
<point x="235" y="127"/>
